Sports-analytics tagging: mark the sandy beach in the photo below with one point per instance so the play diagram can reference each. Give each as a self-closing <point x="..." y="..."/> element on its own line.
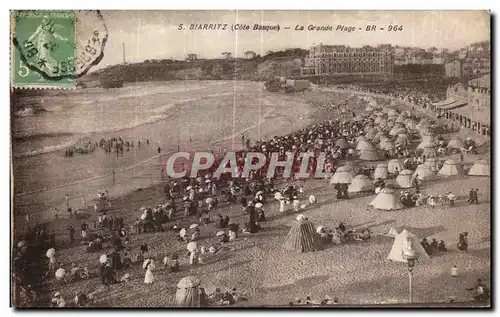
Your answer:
<point x="256" y="263"/>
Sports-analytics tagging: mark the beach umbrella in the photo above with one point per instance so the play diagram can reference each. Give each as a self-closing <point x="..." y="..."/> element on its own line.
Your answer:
<point x="259" y="205"/>
<point x="21" y="244"/>
<point x="189" y="187"/>
<point x="191" y="246"/>
<point x="208" y="181"/>
<point x="319" y="229"/>
<point x="220" y="233"/>
<point x="194" y="225"/>
<point x="277" y="196"/>
<point x="103" y="258"/>
<point x="60" y="273"/>
<point x="209" y="200"/>
<point x="50" y="252"/>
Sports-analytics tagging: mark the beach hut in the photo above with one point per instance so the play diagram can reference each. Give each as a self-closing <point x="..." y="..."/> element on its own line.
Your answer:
<point x="430" y="151"/>
<point x="381" y="172"/>
<point x="450" y="168"/>
<point x="403" y="140"/>
<point x="455" y="143"/>
<point x="394" y="166"/>
<point x="480" y="168"/>
<point x="424" y="173"/>
<point x="188" y="294"/>
<point x="432" y="162"/>
<point x="386" y="200"/>
<point x="302" y="236"/>
<point x="404" y="179"/>
<point x="343" y="175"/>
<point x="364" y="145"/>
<point x="393" y="113"/>
<point x="403" y="241"/>
<point x="387" y="145"/>
<point x="361" y="183"/>
<point x="369" y="155"/>
<point x="342" y="143"/>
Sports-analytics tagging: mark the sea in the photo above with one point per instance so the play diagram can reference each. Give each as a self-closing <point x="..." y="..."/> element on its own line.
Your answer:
<point x="170" y="115"/>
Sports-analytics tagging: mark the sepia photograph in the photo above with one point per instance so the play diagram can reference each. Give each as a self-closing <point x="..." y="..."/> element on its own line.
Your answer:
<point x="250" y="158"/>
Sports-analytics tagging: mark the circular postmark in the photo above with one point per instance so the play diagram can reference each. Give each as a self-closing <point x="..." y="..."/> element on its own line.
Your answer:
<point x="60" y="44"/>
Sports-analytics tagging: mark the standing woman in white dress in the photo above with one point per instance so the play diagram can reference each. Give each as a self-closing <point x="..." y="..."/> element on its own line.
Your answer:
<point x="149" y="266"/>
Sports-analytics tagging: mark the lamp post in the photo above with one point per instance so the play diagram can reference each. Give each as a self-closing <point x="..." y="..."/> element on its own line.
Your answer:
<point x="411" y="256"/>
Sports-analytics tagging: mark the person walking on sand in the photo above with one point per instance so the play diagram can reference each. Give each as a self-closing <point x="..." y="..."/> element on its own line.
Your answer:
<point x="296" y="203"/>
<point x="476" y="201"/>
<point x="149" y="266"/>
<point x="282" y="202"/>
<point x="451" y="199"/>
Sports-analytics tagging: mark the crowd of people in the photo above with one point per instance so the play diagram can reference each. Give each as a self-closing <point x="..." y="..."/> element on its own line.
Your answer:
<point x="114" y="145"/>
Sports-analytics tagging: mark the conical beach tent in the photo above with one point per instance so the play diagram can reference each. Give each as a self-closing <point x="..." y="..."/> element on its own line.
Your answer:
<point x="402" y="139"/>
<point x="427" y="141"/>
<point x="394" y="166"/>
<point x="381" y="172"/>
<point x="188" y="293"/>
<point x="430" y="151"/>
<point x="480" y="168"/>
<point x="392" y="233"/>
<point x="404" y="179"/>
<point x="369" y="155"/>
<point x="364" y="145"/>
<point x="361" y="183"/>
<point x="424" y="173"/>
<point x="386" y="200"/>
<point x="403" y="241"/>
<point x="450" y="168"/>
<point x="343" y="175"/>
<point x="455" y="143"/>
<point x="387" y="145"/>
<point x="302" y="237"/>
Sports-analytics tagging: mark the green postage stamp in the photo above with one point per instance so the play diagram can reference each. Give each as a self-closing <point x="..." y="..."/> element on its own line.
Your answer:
<point x="51" y="49"/>
<point x="44" y="49"/>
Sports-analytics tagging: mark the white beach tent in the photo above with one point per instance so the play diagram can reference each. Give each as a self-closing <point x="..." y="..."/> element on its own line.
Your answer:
<point x="381" y="172"/>
<point x="392" y="233"/>
<point x="403" y="241"/>
<point x="361" y="183"/>
<point x="394" y="165"/>
<point x="386" y="200"/>
<point x="369" y="155"/>
<point x="364" y="145"/>
<point x="402" y="139"/>
<point x="424" y="173"/>
<point x="455" y="143"/>
<point x="343" y="175"/>
<point x="404" y="179"/>
<point x="450" y="168"/>
<point x="480" y="168"/>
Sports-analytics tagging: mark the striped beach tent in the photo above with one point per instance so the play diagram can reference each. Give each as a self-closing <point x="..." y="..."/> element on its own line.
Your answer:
<point x="302" y="236"/>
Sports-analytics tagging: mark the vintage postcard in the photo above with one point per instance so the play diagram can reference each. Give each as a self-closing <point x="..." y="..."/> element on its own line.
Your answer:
<point x="250" y="158"/>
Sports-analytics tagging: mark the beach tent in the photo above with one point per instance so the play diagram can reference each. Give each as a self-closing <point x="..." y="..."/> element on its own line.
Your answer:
<point x="450" y="168"/>
<point x="361" y="183"/>
<point x="402" y="139"/>
<point x="387" y="145"/>
<point x="378" y="120"/>
<point x="343" y="175"/>
<point x="480" y="168"/>
<point x="386" y="200"/>
<point x="392" y="233"/>
<point x="403" y="241"/>
<point x="432" y="162"/>
<point x="404" y="179"/>
<point x="430" y="151"/>
<point x="187" y="294"/>
<point x="410" y="124"/>
<point x="342" y="143"/>
<point x="394" y="165"/>
<point x="455" y="143"/>
<point x="400" y="119"/>
<point x="302" y="236"/>
<point x="364" y="145"/>
<point x="424" y="173"/>
<point x="427" y="139"/>
<point x="369" y="155"/>
<point x="393" y="113"/>
<point x="381" y="172"/>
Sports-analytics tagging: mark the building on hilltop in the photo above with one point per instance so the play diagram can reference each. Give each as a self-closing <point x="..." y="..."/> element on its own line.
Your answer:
<point x="341" y="59"/>
<point x="453" y="69"/>
<point x="191" y="57"/>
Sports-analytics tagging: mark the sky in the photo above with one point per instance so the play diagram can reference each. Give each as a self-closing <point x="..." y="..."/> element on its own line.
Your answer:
<point x="155" y="34"/>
